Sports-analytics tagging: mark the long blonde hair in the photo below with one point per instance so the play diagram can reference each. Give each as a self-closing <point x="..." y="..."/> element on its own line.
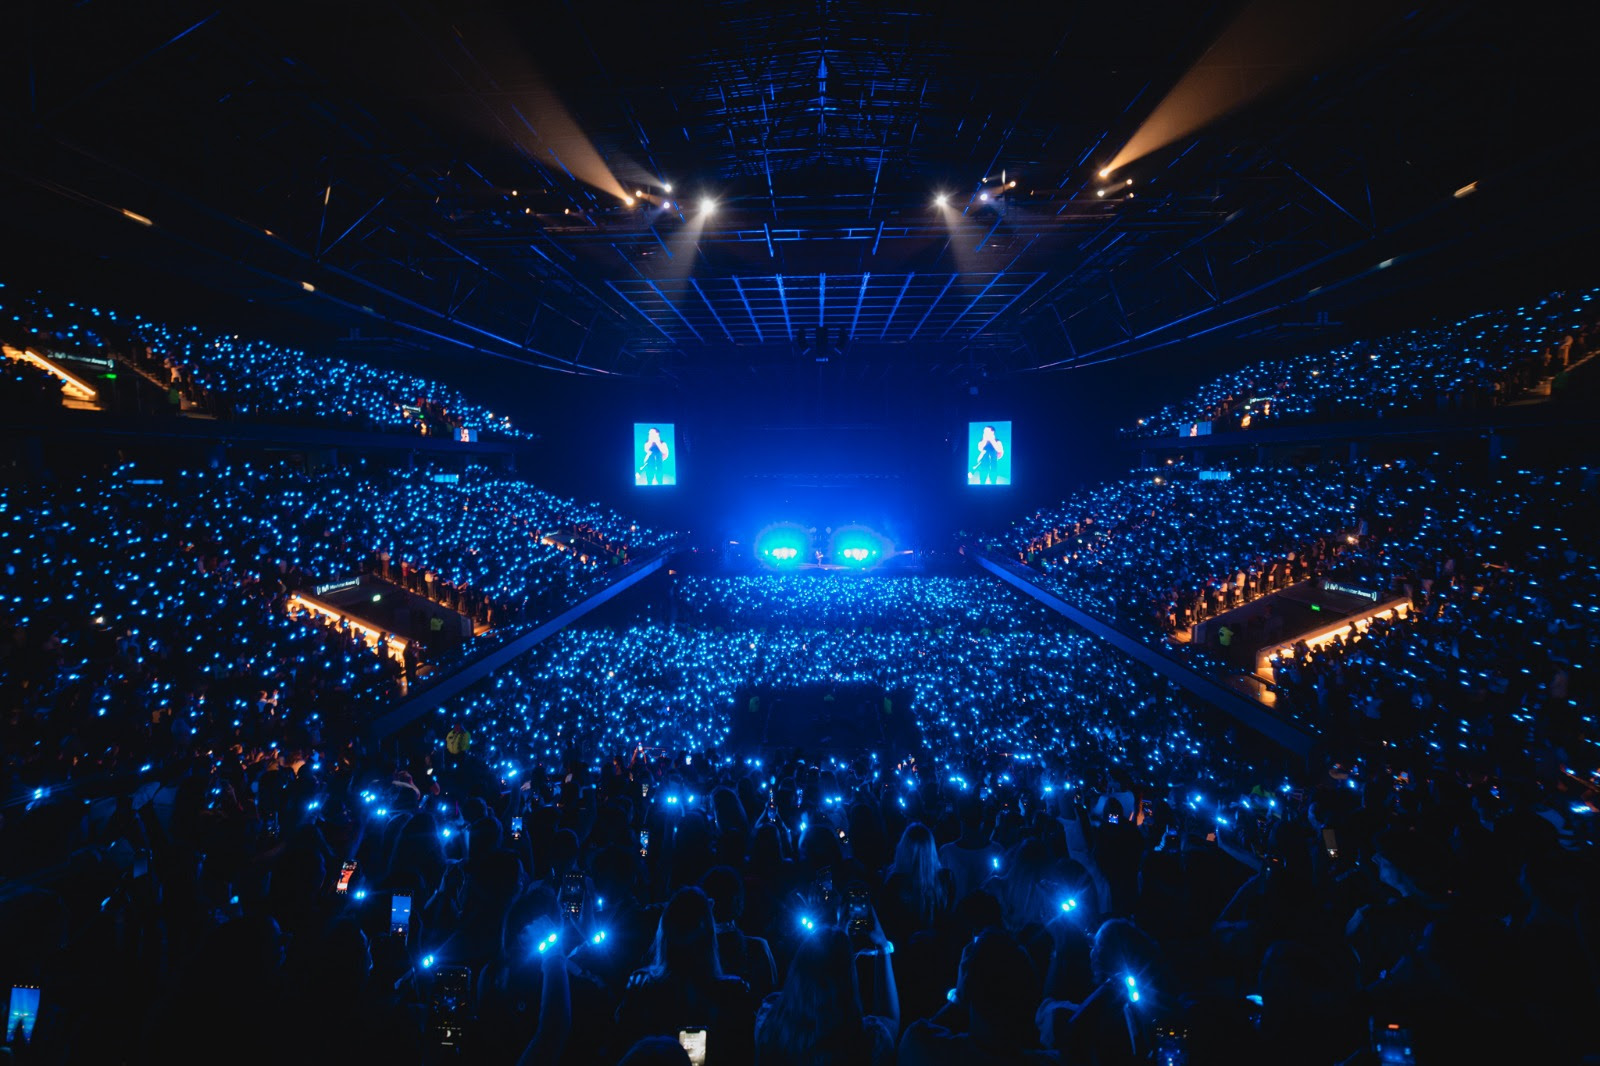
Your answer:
<point x="916" y="857"/>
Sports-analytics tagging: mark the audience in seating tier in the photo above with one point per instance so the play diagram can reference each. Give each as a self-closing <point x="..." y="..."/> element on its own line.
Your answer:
<point x="1482" y="361"/>
<point x="232" y="377"/>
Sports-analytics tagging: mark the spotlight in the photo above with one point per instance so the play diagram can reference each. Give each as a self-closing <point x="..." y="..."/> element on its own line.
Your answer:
<point x="1461" y="193"/>
<point x="667" y="187"/>
<point x="639" y="193"/>
<point x="983" y="197"/>
<point x="1105" y="172"/>
<point x="707" y="206"/>
<point x="1099" y="192"/>
<point x="306" y="285"/>
<point x="628" y="200"/>
<point x="666" y="205"/>
<point x="940" y="200"/>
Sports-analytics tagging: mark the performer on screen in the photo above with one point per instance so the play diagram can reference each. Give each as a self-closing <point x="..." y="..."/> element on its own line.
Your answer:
<point x="990" y="452"/>
<point x="655" y="453"/>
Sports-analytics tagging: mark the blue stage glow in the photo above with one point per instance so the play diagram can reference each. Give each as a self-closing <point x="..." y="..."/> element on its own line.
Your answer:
<point x="783" y="545"/>
<point x="858" y="546"/>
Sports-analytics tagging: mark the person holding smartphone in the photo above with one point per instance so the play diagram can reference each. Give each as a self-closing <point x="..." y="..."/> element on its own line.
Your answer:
<point x="819" y="1015"/>
<point x="685" y="988"/>
<point x="742" y="955"/>
<point x="990" y="1015"/>
<point x="508" y="986"/>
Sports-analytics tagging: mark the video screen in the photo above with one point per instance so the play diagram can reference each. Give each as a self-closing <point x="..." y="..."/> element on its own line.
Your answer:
<point x="23" y="1013"/>
<point x="988" y="453"/>
<point x="655" y="454"/>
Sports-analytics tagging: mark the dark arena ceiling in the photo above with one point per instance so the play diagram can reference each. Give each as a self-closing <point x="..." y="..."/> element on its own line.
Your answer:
<point x="466" y="176"/>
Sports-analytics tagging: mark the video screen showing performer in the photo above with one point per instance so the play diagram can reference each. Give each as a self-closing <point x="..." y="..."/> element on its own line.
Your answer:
<point x="988" y="453"/>
<point x="655" y="458"/>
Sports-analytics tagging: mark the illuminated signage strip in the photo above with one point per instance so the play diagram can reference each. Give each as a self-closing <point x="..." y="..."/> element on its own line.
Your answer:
<point x="1349" y="590"/>
<point x="335" y="586"/>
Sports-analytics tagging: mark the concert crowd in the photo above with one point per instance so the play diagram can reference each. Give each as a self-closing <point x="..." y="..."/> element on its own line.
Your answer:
<point x="1001" y="840"/>
<point x="149" y="612"/>
<point x="567" y="866"/>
